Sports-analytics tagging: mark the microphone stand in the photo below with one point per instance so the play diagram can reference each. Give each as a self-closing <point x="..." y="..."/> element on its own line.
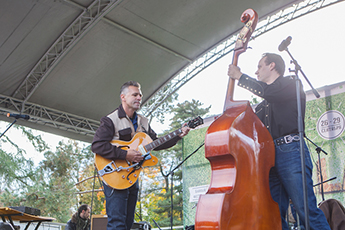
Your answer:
<point x="172" y="184"/>
<point x="318" y="150"/>
<point x="333" y="178"/>
<point x="15" y="120"/>
<point x="301" y="133"/>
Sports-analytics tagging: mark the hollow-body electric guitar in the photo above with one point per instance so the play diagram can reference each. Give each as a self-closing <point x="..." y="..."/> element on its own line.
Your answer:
<point x="121" y="174"/>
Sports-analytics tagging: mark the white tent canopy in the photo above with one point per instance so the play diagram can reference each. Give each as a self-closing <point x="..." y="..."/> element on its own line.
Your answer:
<point x="63" y="61"/>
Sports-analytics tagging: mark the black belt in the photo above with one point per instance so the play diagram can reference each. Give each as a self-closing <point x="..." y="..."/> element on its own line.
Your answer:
<point x="287" y="139"/>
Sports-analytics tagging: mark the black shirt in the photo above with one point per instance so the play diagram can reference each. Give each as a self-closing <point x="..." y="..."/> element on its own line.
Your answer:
<point x="278" y="110"/>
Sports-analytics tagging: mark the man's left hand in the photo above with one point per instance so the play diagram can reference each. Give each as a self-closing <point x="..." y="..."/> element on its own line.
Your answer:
<point x="185" y="131"/>
<point x="234" y="72"/>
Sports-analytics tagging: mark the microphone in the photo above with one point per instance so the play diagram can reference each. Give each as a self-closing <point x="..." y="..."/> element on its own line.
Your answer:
<point x="17" y="116"/>
<point x="285" y="43"/>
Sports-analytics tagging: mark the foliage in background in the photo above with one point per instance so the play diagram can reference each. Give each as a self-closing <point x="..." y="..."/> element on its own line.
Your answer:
<point x="49" y="187"/>
<point x="255" y="100"/>
<point x="15" y="169"/>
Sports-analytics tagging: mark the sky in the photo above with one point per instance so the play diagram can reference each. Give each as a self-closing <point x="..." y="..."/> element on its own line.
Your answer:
<point x="318" y="45"/>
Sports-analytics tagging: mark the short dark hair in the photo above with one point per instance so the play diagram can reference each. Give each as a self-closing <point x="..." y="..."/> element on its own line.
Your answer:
<point x="83" y="207"/>
<point x="277" y="59"/>
<point x="127" y="84"/>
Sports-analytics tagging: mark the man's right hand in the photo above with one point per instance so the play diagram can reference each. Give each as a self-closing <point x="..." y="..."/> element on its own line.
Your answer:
<point x="134" y="156"/>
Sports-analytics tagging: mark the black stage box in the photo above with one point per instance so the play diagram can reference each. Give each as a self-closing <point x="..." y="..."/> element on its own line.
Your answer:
<point x="28" y="210"/>
<point x="142" y="225"/>
<point x="99" y="222"/>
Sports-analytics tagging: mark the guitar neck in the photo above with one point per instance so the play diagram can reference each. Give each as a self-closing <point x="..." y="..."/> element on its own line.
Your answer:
<point x="158" y="142"/>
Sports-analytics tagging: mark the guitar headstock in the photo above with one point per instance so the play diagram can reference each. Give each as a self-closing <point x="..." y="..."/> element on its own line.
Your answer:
<point x="195" y="122"/>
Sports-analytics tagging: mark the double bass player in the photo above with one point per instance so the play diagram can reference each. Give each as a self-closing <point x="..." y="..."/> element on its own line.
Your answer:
<point x="278" y="112"/>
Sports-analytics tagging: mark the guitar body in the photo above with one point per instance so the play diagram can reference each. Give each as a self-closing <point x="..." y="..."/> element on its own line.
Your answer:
<point x="121" y="174"/>
<point x="123" y="179"/>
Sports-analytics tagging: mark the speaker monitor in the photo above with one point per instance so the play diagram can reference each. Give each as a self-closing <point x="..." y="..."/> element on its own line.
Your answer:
<point x="99" y="222"/>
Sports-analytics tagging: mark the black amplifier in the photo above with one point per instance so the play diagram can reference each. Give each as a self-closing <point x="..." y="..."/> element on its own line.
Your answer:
<point x="28" y="210"/>
<point x="141" y="225"/>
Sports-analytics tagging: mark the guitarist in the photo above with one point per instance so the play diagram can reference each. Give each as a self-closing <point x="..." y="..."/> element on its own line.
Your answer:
<point x="122" y="124"/>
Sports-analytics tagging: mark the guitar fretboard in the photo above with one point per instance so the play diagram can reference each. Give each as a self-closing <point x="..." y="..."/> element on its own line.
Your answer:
<point x="162" y="140"/>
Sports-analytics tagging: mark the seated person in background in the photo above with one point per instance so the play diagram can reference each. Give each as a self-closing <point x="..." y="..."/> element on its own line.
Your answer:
<point x="80" y="220"/>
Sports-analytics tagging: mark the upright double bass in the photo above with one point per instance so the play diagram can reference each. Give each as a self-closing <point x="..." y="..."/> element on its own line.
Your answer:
<point x="241" y="153"/>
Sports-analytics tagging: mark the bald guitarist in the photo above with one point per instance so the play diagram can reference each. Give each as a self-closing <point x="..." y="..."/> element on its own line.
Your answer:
<point x="122" y="124"/>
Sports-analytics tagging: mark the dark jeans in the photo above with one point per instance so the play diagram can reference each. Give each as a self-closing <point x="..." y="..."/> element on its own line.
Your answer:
<point x="286" y="182"/>
<point x="120" y="207"/>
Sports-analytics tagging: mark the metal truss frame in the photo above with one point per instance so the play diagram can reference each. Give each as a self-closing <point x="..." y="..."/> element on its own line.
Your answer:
<point x="49" y="117"/>
<point x="227" y="46"/>
<point x="80" y="26"/>
<point x="18" y="102"/>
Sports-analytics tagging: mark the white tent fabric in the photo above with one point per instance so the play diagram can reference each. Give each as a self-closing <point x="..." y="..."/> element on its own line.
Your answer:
<point x="70" y="57"/>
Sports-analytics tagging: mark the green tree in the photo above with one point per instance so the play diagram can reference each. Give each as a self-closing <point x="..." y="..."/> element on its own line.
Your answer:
<point x="61" y="170"/>
<point x="16" y="171"/>
<point x="89" y="188"/>
<point x="50" y="187"/>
